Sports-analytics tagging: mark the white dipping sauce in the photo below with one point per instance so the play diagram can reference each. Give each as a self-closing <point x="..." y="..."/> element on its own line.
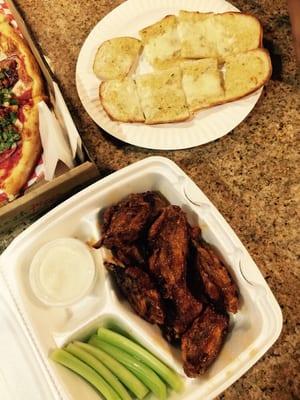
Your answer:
<point x="62" y="271"/>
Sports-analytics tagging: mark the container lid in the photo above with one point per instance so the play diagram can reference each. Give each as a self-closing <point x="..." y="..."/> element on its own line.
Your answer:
<point x="21" y="375"/>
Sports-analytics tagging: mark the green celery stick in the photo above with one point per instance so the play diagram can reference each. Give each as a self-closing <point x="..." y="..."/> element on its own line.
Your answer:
<point x="144" y="373"/>
<point x="86" y="372"/>
<point x="125" y="376"/>
<point x="143" y="355"/>
<point x="93" y="362"/>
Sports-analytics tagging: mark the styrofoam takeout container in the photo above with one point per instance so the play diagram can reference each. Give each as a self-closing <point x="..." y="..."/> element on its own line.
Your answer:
<point x="39" y="329"/>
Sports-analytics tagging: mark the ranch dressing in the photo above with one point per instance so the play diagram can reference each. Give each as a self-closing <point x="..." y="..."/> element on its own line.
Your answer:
<point x="62" y="272"/>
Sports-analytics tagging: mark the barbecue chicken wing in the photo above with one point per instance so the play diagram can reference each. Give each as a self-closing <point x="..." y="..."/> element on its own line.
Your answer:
<point x="217" y="283"/>
<point x="125" y="224"/>
<point x="140" y="291"/>
<point x="180" y="313"/>
<point x="168" y="241"/>
<point x="202" y="343"/>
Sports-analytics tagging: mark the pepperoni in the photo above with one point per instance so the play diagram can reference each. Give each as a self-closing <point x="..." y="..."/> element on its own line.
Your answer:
<point x="21" y="115"/>
<point x="25" y="97"/>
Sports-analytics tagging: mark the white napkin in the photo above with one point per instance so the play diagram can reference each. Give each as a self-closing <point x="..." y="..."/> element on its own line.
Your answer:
<point x="66" y="120"/>
<point x="54" y="141"/>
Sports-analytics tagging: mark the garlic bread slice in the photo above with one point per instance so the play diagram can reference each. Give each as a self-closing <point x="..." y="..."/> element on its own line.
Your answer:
<point x="117" y="57"/>
<point x="120" y="100"/>
<point x="246" y="72"/>
<point x="201" y="81"/>
<point x="162" y="97"/>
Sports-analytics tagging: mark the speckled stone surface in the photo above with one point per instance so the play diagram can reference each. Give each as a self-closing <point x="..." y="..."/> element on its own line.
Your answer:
<point x="251" y="175"/>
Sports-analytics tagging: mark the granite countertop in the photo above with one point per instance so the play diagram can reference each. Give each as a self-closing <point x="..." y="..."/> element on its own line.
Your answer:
<point x="251" y="175"/>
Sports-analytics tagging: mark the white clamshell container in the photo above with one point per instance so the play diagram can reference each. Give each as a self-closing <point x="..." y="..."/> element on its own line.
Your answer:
<point x="34" y="329"/>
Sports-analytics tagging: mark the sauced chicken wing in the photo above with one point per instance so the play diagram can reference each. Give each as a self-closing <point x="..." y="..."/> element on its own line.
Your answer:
<point x="168" y="241"/>
<point x="216" y="280"/>
<point x="140" y="291"/>
<point x="130" y="254"/>
<point x="168" y="238"/>
<point x="202" y="343"/>
<point x="180" y="313"/>
<point x="125" y="223"/>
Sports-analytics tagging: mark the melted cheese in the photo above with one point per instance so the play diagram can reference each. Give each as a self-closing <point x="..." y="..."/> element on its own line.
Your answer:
<point x="164" y="47"/>
<point x="161" y="42"/>
<point x="202" y="83"/>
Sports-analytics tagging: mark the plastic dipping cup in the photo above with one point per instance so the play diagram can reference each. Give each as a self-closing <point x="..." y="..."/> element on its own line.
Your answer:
<point x="62" y="272"/>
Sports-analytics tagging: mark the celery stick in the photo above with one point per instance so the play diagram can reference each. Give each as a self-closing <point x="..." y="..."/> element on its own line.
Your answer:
<point x="145" y="374"/>
<point x="93" y="362"/>
<point x="86" y="372"/>
<point x="143" y="355"/>
<point x="125" y="376"/>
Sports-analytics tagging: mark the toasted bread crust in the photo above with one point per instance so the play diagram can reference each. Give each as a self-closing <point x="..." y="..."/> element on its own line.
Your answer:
<point x="155" y="29"/>
<point x="179" y="119"/>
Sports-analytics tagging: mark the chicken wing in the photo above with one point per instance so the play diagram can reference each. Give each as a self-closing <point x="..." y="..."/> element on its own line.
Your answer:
<point x="180" y="313"/>
<point x="168" y="241"/>
<point x="125" y="221"/>
<point x="124" y="225"/>
<point x="217" y="283"/>
<point x="140" y="291"/>
<point x="202" y="343"/>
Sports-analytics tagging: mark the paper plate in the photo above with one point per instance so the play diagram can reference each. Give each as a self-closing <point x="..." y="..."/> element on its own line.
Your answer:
<point x="127" y="20"/>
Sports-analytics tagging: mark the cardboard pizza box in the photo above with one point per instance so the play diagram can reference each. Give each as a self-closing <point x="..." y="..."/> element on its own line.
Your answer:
<point x="43" y="195"/>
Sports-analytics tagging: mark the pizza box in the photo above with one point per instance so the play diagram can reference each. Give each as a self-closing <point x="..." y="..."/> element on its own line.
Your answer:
<point x="31" y="330"/>
<point x="43" y="195"/>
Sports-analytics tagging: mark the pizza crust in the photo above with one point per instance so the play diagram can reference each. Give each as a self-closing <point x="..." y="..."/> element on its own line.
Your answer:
<point x="31" y="151"/>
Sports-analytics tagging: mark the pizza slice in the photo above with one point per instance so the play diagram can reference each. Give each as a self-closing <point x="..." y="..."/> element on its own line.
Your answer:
<point x="12" y="46"/>
<point x="21" y="89"/>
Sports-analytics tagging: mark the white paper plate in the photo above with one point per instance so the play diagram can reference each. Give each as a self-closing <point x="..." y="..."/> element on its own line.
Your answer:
<point x="127" y="20"/>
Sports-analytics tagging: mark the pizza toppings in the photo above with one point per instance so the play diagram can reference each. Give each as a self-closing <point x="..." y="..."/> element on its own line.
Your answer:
<point x="9" y="134"/>
<point x="8" y="73"/>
